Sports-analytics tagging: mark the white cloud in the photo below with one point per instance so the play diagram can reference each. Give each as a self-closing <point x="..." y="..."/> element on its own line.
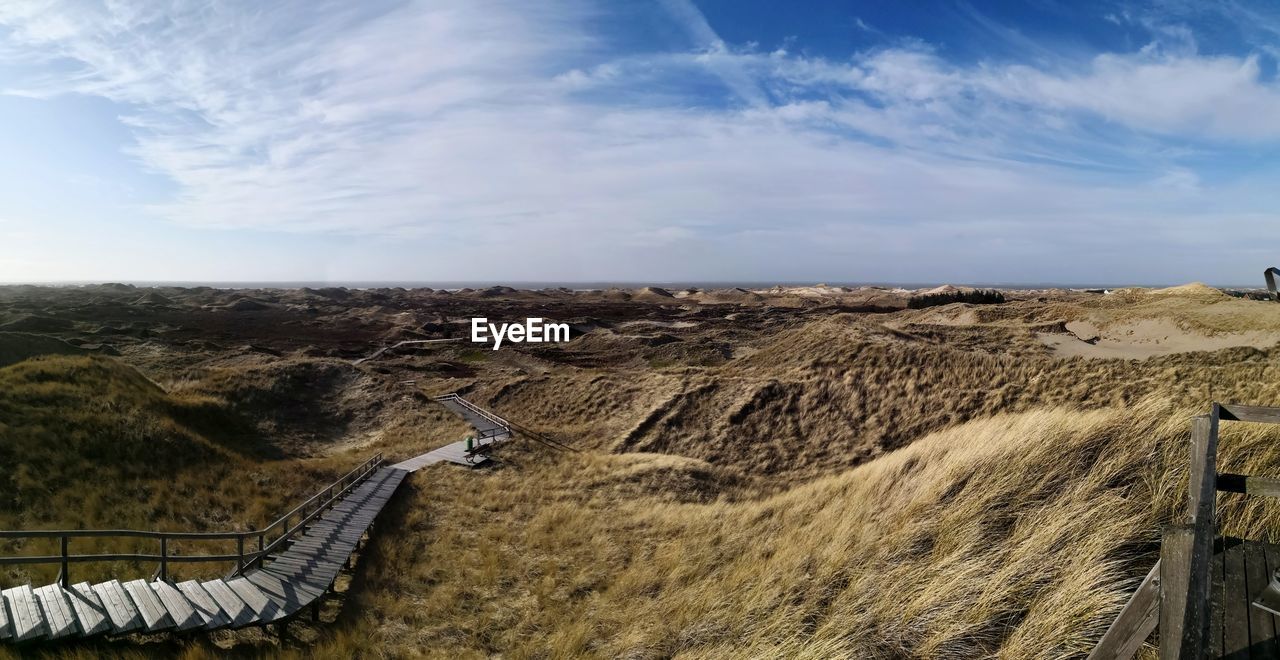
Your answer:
<point x="510" y="127"/>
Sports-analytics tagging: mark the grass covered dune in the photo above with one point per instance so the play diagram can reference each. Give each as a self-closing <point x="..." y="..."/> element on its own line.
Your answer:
<point x="1016" y="536"/>
<point x="91" y="443"/>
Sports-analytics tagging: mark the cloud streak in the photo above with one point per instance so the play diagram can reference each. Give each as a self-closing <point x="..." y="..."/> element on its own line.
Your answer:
<point x="513" y="126"/>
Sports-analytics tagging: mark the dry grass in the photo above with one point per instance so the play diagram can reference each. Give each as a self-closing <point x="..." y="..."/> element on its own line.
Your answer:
<point x="1016" y="536"/>
<point x="92" y="443"/>
<point x="849" y="488"/>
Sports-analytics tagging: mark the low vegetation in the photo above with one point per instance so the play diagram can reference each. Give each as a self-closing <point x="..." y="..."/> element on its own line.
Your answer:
<point x="1016" y="536"/>
<point x="927" y="483"/>
<point x="89" y="442"/>
<point x="972" y="297"/>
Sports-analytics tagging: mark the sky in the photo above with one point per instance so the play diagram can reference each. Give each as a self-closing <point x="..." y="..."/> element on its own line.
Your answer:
<point x="639" y="141"/>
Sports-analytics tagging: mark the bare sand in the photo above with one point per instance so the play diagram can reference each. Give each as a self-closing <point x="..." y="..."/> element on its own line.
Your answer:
<point x="1146" y="338"/>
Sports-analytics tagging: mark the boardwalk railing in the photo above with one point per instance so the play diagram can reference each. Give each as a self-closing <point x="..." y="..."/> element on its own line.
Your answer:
<point x="268" y="540"/>
<point x="506" y="427"/>
<point x="503" y="426"/>
<point x="1180" y="593"/>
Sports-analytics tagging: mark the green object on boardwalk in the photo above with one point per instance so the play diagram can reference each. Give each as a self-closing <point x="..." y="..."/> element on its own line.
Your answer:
<point x="469" y="441"/>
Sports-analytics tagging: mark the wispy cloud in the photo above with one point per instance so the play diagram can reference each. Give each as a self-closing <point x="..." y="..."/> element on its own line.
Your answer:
<point x="513" y="125"/>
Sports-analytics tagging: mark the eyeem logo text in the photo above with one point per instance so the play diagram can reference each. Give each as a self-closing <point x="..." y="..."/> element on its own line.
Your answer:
<point x="533" y="330"/>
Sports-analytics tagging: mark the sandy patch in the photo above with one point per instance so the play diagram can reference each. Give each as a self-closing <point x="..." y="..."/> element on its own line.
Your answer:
<point x="1146" y="338"/>
<point x="660" y="324"/>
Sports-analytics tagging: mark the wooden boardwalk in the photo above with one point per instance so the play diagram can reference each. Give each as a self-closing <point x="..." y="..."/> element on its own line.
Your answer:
<point x="272" y="585"/>
<point x="1209" y="596"/>
<point x="490" y="430"/>
<point x="282" y="587"/>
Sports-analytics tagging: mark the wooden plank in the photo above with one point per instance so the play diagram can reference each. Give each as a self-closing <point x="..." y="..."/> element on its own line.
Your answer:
<point x="1242" y="483"/>
<point x="1191" y="609"/>
<point x="91" y="614"/>
<point x="24" y="613"/>
<point x="59" y="618"/>
<point x="1134" y="624"/>
<point x="236" y="609"/>
<point x="1175" y="572"/>
<point x="1262" y="629"/>
<point x="1236" y="412"/>
<point x="6" y="626"/>
<point x="1269" y="599"/>
<point x="1216" y="595"/>
<point x="155" y="617"/>
<point x="262" y="607"/>
<point x="180" y="610"/>
<point x="121" y="611"/>
<point x="289" y="595"/>
<point x="211" y="615"/>
<point x="1235" y="606"/>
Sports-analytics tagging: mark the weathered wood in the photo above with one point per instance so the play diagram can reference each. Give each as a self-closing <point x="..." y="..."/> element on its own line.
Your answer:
<point x="1203" y="517"/>
<point x="1272" y="556"/>
<point x="180" y="610"/>
<point x="121" y="611"/>
<point x="1262" y="629"/>
<point x="1216" y="593"/>
<point x="262" y="607"/>
<point x="6" y="627"/>
<point x="1239" y="413"/>
<point x="1235" y="606"/>
<point x="235" y="608"/>
<point x="1175" y="606"/>
<point x="91" y="614"/>
<point x="59" y="618"/>
<point x="1134" y="624"/>
<point x="206" y="607"/>
<point x="154" y="616"/>
<point x="24" y="613"/>
<point x="271" y="591"/>
<point x="1241" y="483"/>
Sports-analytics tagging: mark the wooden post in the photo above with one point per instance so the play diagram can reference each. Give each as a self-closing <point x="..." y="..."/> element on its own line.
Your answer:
<point x="164" y="559"/>
<point x="1187" y="552"/>
<point x="261" y="545"/>
<point x="66" y="575"/>
<point x="1175" y="572"/>
<point x="239" y="554"/>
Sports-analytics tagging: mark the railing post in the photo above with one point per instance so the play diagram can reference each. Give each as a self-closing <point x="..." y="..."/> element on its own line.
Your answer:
<point x="66" y="576"/>
<point x="164" y="559"/>
<point x="261" y="545"/>
<point x="240" y="554"/>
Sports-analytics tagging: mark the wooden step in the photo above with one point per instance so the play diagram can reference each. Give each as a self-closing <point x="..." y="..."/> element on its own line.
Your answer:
<point x="257" y="601"/>
<point x="154" y="616"/>
<point x="121" y="611"/>
<point x="91" y="615"/>
<point x="211" y="616"/>
<point x="234" y="607"/>
<point x="24" y="613"/>
<point x="180" y="610"/>
<point x="59" y="618"/>
<point x="282" y="586"/>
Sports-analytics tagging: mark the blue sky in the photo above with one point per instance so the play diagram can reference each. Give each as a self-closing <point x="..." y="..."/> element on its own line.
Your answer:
<point x="659" y="140"/>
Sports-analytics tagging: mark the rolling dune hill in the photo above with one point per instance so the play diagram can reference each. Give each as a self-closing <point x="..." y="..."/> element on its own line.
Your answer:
<point x="796" y="480"/>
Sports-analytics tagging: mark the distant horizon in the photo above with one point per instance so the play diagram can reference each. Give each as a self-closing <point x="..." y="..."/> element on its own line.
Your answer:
<point x="598" y="284"/>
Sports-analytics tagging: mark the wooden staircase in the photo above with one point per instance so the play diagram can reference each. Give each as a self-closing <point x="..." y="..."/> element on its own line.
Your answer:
<point x="272" y="585"/>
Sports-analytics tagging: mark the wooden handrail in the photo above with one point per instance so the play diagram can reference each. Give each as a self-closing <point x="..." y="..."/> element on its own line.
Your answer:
<point x="508" y="426"/>
<point x="331" y="493"/>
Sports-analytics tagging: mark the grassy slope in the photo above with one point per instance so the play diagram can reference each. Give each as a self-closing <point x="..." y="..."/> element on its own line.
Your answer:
<point x="1018" y="536"/>
<point x="91" y="443"/>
